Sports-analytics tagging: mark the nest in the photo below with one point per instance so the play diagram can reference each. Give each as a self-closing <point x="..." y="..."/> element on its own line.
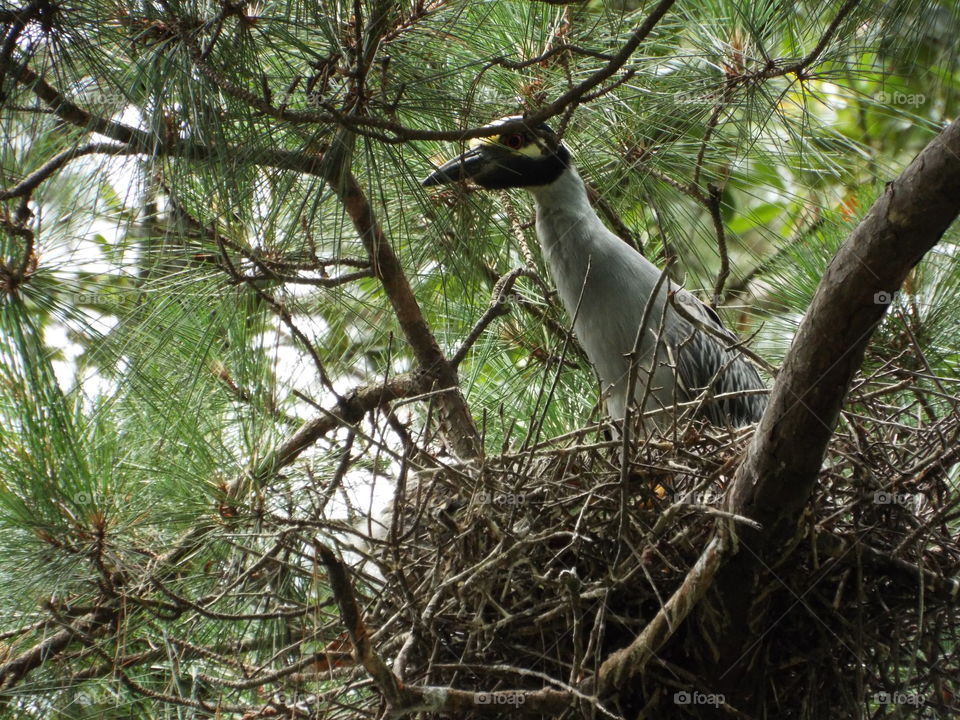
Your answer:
<point x="528" y="571"/>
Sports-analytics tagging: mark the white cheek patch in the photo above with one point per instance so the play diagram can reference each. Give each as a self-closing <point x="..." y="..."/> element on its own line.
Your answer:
<point x="531" y="149"/>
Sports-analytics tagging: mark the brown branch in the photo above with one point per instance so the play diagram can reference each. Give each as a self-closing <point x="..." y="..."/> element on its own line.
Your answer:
<point x="540" y="314"/>
<point x="626" y="664"/>
<point x="11" y="278"/>
<point x="386" y="681"/>
<point x="781" y="467"/>
<point x="723" y="273"/>
<point x="801" y="65"/>
<point x="499" y="305"/>
<point x="324" y="282"/>
<point x="142" y="142"/>
<point x="574" y="94"/>
<point x="33" y="180"/>
<point x="408" y="699"/>
<point x="461" y="430"/>
<point x="548" y="54"/>
<point x="348" y="411"/>
<point x="905" y="574"/>
<point x="17" y="20"/>
<point x="14" y="670"/>
<point x="391" y="132"/>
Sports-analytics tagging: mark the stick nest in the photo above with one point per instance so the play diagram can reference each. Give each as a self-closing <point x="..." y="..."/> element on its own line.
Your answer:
<point x="528" y="570"/>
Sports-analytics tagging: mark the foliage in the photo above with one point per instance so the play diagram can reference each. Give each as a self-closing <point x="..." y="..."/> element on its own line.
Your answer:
<point x="183" y="296"/>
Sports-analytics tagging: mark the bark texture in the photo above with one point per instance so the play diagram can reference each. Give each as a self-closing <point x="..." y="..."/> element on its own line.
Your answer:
<point x="782" y="464"/>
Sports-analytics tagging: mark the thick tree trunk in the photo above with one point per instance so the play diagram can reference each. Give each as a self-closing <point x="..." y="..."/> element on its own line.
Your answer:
<point x="781" y="468"/>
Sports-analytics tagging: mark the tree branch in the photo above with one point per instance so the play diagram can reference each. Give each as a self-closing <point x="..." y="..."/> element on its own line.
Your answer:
<point x="348" y="411"/>
<point x="782" y="465"/>
<point x="386" y="266"/>
<point x="904" y="573"/>
<point x="499" y="305"/>
<point x="629" y="662"/>
<point x="408" y="699"/>
<point x="17" y="668"/>
<point x="33" y="180"/>
<point x="391" y="132"/>
<point x="461" y="430"/>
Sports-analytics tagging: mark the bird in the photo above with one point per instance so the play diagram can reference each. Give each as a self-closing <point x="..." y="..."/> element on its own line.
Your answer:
<point x="605" y="285"/>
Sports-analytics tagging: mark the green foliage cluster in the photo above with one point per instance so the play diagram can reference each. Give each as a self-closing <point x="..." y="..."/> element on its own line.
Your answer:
<point x="139" y="377"/>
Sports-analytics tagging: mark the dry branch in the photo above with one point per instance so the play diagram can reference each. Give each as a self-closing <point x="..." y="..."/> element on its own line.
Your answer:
<point x="780" y="471"/>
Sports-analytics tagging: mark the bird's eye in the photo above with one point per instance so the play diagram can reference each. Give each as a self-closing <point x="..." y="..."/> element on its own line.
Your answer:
<point x="514" y="142"/>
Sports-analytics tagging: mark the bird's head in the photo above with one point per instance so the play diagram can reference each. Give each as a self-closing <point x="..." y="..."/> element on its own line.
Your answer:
<point x="522" y="157"/>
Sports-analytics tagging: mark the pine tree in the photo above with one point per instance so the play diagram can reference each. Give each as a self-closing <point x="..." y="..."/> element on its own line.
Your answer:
<point x="233" y="325"/>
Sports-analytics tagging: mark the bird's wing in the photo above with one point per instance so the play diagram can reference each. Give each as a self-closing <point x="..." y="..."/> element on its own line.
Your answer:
<point x="700" y="311"/>
<point x="703" y="359"/>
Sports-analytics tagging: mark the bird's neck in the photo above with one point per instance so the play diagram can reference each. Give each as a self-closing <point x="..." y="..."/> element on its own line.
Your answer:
<point x="565" y="194"/>
<point x="565" y="217"/>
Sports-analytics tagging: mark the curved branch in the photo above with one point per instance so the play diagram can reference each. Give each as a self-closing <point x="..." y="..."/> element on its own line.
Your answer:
<point x="391" y="132"/>
<point x="779" y="473"/>
<point x="781" y="468"/>
<point x="460" y="428"/>
<point x="499" y="305"/>
<point x="384" y="261"/>
<point x="625" y="664"/>
<point x="33" y="180"/>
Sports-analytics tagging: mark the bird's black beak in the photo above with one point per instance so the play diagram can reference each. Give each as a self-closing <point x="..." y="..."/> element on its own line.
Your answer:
<point x="464" y="167"/>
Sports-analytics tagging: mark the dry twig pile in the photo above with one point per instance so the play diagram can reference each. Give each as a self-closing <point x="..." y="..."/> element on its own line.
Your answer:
<point x="527" y="571"/>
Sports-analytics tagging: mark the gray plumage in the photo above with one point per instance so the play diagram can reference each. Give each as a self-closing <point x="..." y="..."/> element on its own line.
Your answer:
<point x="605" y="285"/>
<point x="616" y="282"/>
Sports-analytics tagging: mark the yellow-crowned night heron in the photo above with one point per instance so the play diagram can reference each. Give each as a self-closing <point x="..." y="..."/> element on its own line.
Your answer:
<point x="605" y="285"/>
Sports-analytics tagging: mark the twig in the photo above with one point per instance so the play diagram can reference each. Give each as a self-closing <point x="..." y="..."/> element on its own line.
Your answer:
<point x="632" y="373"/>
<point x="390" y="132"/>
<point x="905" y="573"/>
<point x="499" y="305"/>
<point x="722" y="336"/>
<point x="324" y="282"/>
<point x="340" y="586"/>
<point x="811" y="57"/>
<point x="723" y="273"/>
<point x="629" y="662"/>
<point x="281" y="310"/>
<point x="33" y="180"/>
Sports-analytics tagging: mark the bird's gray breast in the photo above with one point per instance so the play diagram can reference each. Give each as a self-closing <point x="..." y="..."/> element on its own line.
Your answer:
<point x="604" y="284"/>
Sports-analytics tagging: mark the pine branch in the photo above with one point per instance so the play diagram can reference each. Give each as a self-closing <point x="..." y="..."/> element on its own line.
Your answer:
<point x="780" y="471"/>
